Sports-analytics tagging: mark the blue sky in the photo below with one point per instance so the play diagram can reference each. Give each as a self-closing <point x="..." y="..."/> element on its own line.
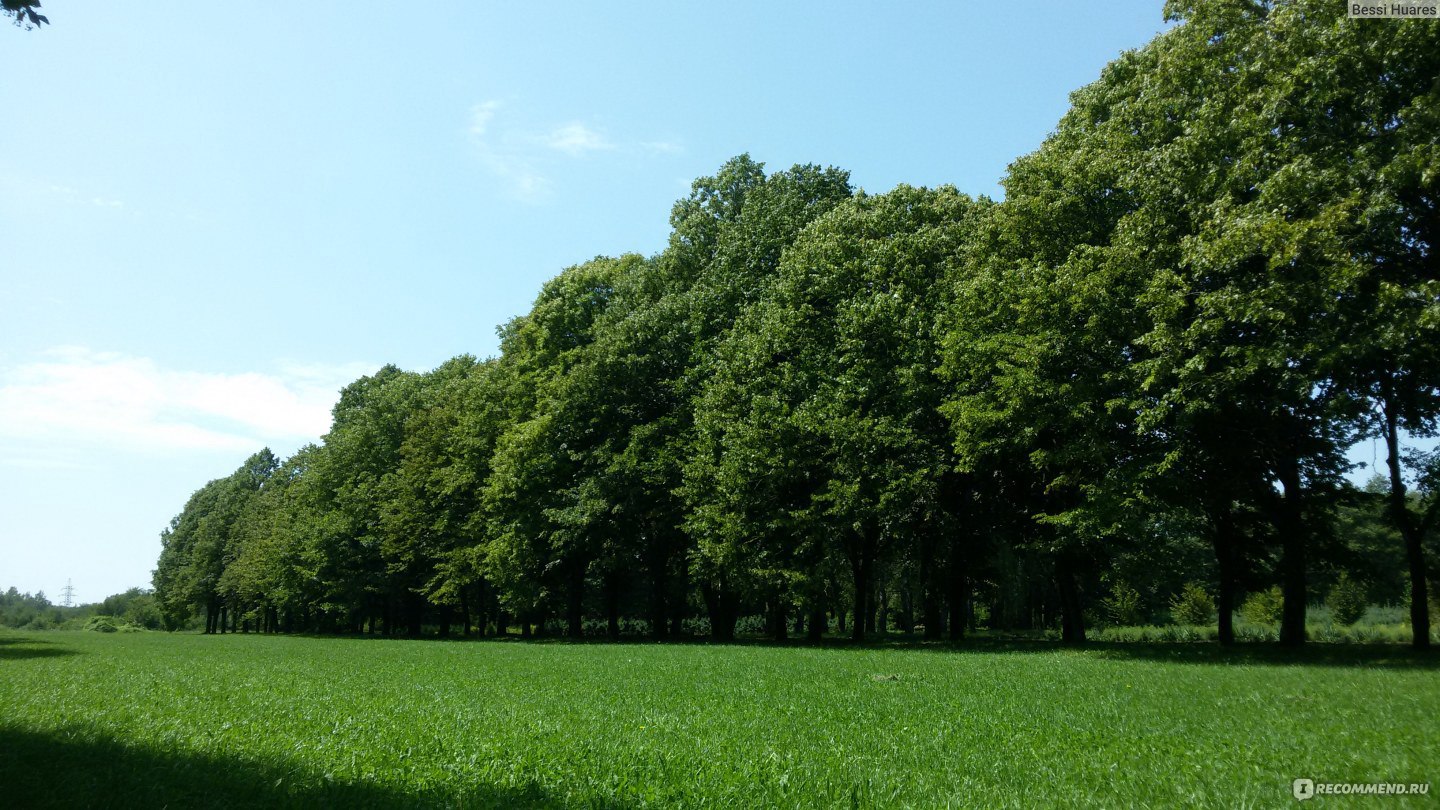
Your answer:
<point x="217" y="215"/>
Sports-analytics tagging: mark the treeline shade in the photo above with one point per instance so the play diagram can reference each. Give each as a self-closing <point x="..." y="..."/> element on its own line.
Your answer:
<point x="820" y="405"/>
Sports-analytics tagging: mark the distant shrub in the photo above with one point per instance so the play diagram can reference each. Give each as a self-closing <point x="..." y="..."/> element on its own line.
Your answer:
<point x="1386" y="614"/>
<point x="751" y="626"/>
<point x="41" y="621"/>
<point x="981" y="615"/>
<point x="101" y="624"/>
<point x="110" y="624"/>
<point x="1192" y="606"/>
<point x="1263" y="607"/>
<point x="1244" y="631"/>
<point x="1151" y="634"/>
<point x="1346" y="600"/>
<point x="1122" y="606"/>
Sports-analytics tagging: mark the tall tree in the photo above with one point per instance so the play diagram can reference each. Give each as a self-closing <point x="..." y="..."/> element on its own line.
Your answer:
<point x="819" y="432"/>
<point x="543" y="522"/>
<point x="352" y="479"/>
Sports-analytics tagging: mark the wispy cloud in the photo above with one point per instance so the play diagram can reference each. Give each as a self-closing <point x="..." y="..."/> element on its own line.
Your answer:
<point x="77" y="397"/>
<point x="576" y="139"/>
<point x="44" y="196"/>
<point x="480" y="117"/>
<point x="524" y="158"/>
<point x="502" y="158"/>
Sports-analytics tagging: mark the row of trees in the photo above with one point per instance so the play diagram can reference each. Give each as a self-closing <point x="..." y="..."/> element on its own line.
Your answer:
<point x="24" y="611"/>
<point x="816" y="404"/>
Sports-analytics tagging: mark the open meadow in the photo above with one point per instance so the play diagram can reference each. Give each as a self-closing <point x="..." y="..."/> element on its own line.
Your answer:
<point x="152" y="720"/>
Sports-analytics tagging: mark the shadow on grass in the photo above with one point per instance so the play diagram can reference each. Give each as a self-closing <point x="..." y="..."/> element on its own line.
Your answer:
<point x="1318" y="654"/>
<point x="56" y="771"/>
<point x="1314" y="654"/>
<point x="14" y="648"/>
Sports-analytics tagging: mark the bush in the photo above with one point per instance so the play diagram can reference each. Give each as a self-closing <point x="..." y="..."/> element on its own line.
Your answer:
<point x="1192" y="606"/>
<point x="1122" y="606"/>
<point x="1263" y="607"/>
<point x="1150" y="634"/>
<point x="101" y="624"/>
<point x="981" y="615"/>
<point x="110" y="624"/>
<point x="1346" y="600"/>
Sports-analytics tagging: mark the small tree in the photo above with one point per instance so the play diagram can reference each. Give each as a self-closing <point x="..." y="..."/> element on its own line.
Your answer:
<point x="1347" y="600"/>
<point x="1122" y="606"/>
<point x="1192" y="606"/>
<point x="1263" y="607"/>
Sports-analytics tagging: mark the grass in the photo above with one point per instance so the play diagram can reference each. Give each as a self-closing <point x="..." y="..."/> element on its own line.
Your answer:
<point x="151" y="719"/>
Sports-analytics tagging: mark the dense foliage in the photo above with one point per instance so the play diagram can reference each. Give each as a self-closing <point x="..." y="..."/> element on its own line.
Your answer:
<point x="1125" y="387"/>
<point x="135" y="608"/>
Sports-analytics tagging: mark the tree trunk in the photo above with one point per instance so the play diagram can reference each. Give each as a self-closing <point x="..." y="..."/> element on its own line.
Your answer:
<point x="958" y="597"/>
<point x="930" y="613"/>
<point x="575" y="603"/>
<point x="930" y="590"/>
<point x="779" y="629"/>
<point x="1411" y="531"/>
<point x="907" y="610"/>
<point x="816" y="629"/>
<point x="719" y="602"/>
<point x="1291" y="524"/>
<point x="659" y="582"/>
<point x="860" y="579"/>
<point x="1072" y="618"/>
<point x="414" y="615"/>
<point x="1224" y="540"/>
<point x="612" y="606"/>
<point x="680" y="601"/>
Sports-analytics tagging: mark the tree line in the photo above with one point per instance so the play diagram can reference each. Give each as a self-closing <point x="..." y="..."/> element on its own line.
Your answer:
<point x="817" y="408"/>
<point x="135" y="608"/>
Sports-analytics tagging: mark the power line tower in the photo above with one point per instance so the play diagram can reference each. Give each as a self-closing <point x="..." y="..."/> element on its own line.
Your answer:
<point x="67" y="595"/>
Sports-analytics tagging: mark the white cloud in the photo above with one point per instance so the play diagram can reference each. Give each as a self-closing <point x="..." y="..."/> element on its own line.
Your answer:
<point x="522" y="160"/>
<point x="503" y="160"/>
<point x="575" y="139"/>
<point x="480" y="116"/>
<point x="74" y="396"/>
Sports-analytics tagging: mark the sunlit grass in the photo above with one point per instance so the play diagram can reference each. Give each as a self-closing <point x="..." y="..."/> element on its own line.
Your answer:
<point x="153" y="719"/>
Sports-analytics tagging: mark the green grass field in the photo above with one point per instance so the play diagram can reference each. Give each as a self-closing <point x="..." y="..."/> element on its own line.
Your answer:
<point x="152" y="720"/>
